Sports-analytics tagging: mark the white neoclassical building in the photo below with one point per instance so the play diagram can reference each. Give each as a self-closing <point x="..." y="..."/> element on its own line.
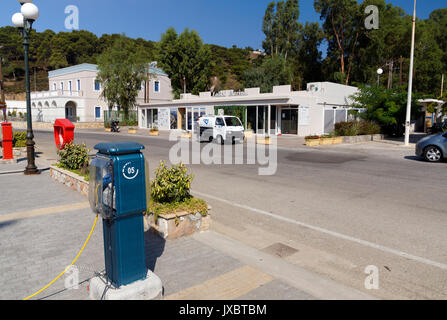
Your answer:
<point x="75" y="94"/>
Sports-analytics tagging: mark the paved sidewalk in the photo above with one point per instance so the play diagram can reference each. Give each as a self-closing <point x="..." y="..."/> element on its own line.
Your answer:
<point x="43" y="225"/>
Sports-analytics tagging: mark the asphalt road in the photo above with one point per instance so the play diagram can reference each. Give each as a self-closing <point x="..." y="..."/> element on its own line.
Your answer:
<point x="332" y="210"/>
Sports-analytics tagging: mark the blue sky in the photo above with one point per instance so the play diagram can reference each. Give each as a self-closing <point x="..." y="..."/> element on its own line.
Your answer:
<point x="222" y="22"/>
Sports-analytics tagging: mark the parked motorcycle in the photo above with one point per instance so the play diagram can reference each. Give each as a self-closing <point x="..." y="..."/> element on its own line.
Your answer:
<point x="114" y="126"/>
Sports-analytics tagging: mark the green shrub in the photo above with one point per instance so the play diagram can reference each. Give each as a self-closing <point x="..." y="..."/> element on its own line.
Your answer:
<point x="191" y="206"/>
<point x="19" y="140"/>
<point x="369" y="127"/>
<point x="73" y="156"/>
<point x="171" y="184"/>
<point x="355" y="128"/>
<point x="350" y="128"/>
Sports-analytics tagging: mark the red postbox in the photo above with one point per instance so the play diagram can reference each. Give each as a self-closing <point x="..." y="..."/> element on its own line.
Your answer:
<point x="7" y="141"/>
<point x="63" y="132"/>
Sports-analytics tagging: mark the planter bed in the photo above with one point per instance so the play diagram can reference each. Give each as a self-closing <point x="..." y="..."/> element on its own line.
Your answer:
<point x="175" y="225"/>
<point x="69" y="179"/>
<point x="345" y="139"/>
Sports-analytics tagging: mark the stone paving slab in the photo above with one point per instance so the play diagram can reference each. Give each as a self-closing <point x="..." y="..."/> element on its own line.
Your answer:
<point x="23" y="193"/>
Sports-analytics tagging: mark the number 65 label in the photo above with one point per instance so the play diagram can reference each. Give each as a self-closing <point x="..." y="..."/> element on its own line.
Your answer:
<point x="129" y="172"/>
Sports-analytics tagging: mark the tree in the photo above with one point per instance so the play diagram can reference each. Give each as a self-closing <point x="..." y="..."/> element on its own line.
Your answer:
<point x="186" y="60"/>
<point x="428" y="65"/>
<point x="343" y="27"/>
<point x="281" y="27"/>
<point x="386" y="107"/>
<point x="274" y="71"/>
<point x="43" y="51"/>
<point x="121" y="72"/>
<point x="378" y="48"/>
<point x="308" y="59"/>
<point x="438" y="19"/>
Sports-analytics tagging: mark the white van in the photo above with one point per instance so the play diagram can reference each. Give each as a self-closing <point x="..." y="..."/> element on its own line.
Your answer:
<point x="220" y="129"/>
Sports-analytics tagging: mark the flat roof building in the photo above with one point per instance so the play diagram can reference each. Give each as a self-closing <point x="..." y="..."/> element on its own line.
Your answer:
<point x="283" y="111"/>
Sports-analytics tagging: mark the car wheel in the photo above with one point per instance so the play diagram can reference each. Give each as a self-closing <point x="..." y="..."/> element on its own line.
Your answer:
<point x="219" y="140"/>
<point x="433" y="154"/>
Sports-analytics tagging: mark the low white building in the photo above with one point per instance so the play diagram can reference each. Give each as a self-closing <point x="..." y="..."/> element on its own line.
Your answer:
<point x="16" y="106"/>
<point x="75" y="94"/>
<point x="283" y="111"/>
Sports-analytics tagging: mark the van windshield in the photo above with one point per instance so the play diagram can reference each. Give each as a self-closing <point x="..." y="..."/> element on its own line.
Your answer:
<point x="233" y="122"/>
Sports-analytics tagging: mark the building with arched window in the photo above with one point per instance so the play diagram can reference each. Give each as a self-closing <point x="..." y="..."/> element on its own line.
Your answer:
<point x="75" y="94"/>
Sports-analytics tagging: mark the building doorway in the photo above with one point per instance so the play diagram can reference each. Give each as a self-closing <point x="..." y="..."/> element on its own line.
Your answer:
<point x="289" y="121"/>
<point x="70" y="111"/>
<point x="181" y="119"/>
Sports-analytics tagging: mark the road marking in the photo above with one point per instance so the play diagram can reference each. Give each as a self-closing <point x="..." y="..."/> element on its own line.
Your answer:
<point x="43" y="211"/>
<point x="228" y="286"/>
<point x="329" y="232"/>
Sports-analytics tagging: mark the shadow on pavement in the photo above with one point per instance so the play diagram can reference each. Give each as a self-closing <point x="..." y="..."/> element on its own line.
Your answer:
<point x="7" y="223"/>
<point x="414" y="158"/>
<point x="414" y="138"/>
<point x="420" y="159"/>
<point x="155" y="246"/>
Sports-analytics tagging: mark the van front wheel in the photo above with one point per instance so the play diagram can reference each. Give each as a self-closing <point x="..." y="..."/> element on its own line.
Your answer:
<point x="219" y="140"/>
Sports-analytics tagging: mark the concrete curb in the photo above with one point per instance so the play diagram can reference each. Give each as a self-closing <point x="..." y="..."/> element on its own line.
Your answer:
<point x="309" y="282"/>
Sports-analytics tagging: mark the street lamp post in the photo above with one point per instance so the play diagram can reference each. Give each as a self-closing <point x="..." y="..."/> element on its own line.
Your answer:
<point x="410" y="81"/>
<point x="24" y="21"/>
<point x="379" y="72"/>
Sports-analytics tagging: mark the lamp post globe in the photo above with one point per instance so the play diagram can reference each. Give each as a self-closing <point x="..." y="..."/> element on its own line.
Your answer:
<point x="17" y="20"/>
<point x="30" y="11"/>
<point x="379" y="72"/>
<point x="22" y="2"/>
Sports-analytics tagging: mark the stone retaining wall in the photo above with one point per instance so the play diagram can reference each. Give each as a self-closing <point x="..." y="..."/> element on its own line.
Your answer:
<point x="49" y="126"/>
<point x="364" y="138"/>
<point x="176" y="225"/>
<point x="69" y="179"/>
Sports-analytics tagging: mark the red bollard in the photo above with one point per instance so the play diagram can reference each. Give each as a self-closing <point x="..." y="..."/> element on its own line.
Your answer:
<point x="63" y="132"/>
<point x="7" y="141"/>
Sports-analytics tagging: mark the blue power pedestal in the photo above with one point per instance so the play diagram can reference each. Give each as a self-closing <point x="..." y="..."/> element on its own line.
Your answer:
<point x="119" y="181"/>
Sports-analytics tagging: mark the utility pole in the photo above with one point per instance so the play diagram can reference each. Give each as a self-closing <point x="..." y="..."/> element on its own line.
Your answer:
<point x="442" y="85"/>
<point x="410" y="81"/>
<point x="390" y="74"/>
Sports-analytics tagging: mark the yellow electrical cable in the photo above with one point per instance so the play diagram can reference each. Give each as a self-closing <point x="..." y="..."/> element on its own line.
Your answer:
<point x="83" y="247"/>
